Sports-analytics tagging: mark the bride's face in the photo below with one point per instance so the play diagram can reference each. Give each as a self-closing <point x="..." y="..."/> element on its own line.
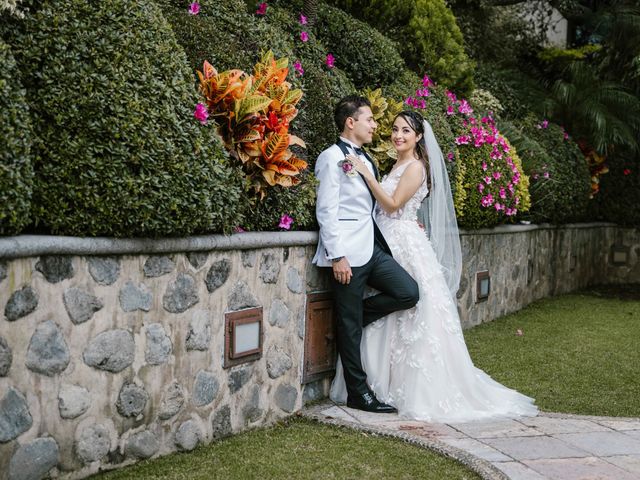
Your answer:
<point x="403" y="137"/>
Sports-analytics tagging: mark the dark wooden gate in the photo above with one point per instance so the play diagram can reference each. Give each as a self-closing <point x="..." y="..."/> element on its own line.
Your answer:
<point x="319" y="338"/>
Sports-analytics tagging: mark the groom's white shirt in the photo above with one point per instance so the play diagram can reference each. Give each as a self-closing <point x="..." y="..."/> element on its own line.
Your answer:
<point x="344" y="209"/>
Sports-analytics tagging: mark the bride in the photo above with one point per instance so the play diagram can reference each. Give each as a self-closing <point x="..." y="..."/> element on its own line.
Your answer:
<point x="416" y="359"/>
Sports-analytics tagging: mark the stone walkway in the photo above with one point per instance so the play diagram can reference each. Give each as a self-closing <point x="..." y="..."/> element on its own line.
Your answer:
<point x="549" y="446"/>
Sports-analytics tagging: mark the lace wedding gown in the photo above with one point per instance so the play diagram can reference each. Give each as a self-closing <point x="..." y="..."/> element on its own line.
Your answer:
<point x="416" y="359"/>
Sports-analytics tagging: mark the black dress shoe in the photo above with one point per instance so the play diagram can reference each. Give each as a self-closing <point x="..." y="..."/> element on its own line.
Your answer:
<point x="369" y="403"/>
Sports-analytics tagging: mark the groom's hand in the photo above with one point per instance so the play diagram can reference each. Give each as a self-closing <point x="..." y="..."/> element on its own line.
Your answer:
<point x="342" y="271"/>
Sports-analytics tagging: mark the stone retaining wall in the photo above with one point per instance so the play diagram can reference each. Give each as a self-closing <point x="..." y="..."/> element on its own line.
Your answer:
<point x="113" y="352"/>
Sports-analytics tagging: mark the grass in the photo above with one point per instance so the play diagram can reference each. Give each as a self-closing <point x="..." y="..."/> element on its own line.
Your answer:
<point x="579" y="353"/>
<point x="299" y="449"/>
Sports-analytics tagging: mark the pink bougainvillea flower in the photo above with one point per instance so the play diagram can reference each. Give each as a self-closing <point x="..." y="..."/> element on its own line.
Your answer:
<point x="262" y="8"/>
<point x="330" y="61"/>
<point x="484" y="166"/>
<point x="285" y="222"/>
<point x="201" y="114"/>
<point x="626" y="172"/>
<point x="498" y="206"/>
<point x="452" y="96"/>
<point x="545" y="174"/>
<point x="298" y="68"/>
<point x="427" y="82"/>
<point x="304" y="36"/>
<point x="543" y="124"/>
<point x="497" y="175"/>
<point x="302" y="19"/>
<point x="423" y="92"/>
<point x="462" y="140"/>
<point x="503" y="193"/>
<point x="487" y="180"/>
<point x="465" y="108"/>
<point x="450" y="156"/>
<point x="487" y="200"/>
<point x="238" y="229"/>
<point x="450" y="110"/>
<point x="480" y="187"/>
<point x="194" y="8"/>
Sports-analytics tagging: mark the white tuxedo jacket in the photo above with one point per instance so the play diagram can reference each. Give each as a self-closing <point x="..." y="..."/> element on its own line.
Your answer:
<point x="344" y="209"/>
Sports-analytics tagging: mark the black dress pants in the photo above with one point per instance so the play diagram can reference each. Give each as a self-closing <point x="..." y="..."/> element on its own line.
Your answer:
<point x="398" y="291"/>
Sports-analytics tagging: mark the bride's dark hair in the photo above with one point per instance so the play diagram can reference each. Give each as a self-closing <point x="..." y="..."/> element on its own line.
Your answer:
<point x="416" y="123"/>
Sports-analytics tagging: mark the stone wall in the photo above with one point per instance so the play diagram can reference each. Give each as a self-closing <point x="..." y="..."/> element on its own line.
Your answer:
<point x="112" y="350"/>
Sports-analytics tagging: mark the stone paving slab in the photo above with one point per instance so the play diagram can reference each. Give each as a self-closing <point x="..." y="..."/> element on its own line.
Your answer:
<point x="632" y="433"/>
<point x="518" y="470"/>
<point x="617" y="424"/>
<point x="630" y="463"/>
<point x="478" y="449"/>
<point x="549" y="426"/>
<point x="602" y="443"/>
<point x="587" y="468"/>
<point x="533" y="448"/>
<point x="503" y="428"/>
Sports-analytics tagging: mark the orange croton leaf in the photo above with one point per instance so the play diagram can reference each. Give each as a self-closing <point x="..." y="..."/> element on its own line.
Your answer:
<point x="274" y="145"/>
<point x="283" y="167"/>
<point x="269" y="176"/>
<point x="294" y="140"/>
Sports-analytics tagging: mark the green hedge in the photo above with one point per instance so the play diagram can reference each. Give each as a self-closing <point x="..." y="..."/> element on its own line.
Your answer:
<point x="118" y="150"/>
<point x="619" y="195"/>
<point x="16" y="169"/>
<point x="369" y="58"/>
<point x="427" y="34"/>
<point x="563" y="197"/>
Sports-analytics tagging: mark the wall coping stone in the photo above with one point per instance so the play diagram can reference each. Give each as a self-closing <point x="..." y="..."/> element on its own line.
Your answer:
<point x="35" y="245"/>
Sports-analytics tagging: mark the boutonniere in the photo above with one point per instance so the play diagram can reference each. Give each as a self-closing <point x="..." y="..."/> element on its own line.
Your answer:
<point x="347" y="167"/>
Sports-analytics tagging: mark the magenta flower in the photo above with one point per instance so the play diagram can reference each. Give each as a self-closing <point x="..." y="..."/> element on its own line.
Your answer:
<point x="484" y="166"/>
<point x="543" y="124"/>
<point x="303" y="20"/>
<point x="427" y="82"/>
<point x="462" y="140"/>
<point x="498" y="207"/>
<point x="626" y="172"/>
<point x="298" y="68"/>
<point x="503" y="193"/>
<point x="497" y="175"/>
<point x="450" y="156"/>
<point x="565" y="135"/>
<point x="262" y="8"/>
<point x="487" y="180"/>
<point x="465" y="108"/>
<point x="201" y="114"/>
<point x="238" y="229"/>
<point x="481" y="187"/>
<point x="452" y="96"/>
<point x="545" y="174"/>
<point x="330" y="61"/>
<point x="285" y="222"/>
<point x="450" y="110"/>
<point x="304" y="36"/>
<point x="194" y="8"/>
<point x="487" y="200"/>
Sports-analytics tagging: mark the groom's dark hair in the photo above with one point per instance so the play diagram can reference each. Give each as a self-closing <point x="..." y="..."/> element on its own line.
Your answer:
<point x="348" y="107"/>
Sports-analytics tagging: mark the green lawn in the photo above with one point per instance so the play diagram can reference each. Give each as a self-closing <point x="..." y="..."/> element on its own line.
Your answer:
<point x="579" y="353"/>
<point x="300" y="449"/>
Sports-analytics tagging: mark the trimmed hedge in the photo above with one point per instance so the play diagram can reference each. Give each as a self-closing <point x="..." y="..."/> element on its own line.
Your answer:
<point x="619" y="195"/>
<point x="558" y="172"/>
<point x="427" y="34"/>
<point x="118" y="150"/>
<point x="369" y="58"/>
<point x="16" y="169"/>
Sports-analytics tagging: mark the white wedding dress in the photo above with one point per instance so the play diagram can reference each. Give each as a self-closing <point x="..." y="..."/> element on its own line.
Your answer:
<point x="416" y="359"/>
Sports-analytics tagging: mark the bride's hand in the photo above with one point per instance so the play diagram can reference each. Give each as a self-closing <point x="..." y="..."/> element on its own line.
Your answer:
<point x="360" y="166"/>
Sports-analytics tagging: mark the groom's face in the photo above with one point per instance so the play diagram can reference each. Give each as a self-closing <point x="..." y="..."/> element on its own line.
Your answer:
<point x="363" y="125"/>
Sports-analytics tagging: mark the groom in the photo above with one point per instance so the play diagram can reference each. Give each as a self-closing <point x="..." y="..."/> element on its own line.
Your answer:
<point x="353" y="247"/>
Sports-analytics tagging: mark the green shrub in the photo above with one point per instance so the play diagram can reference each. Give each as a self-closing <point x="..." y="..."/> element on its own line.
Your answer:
<point x="118" y="150"/>
<point x="503" y="84"/>
<point x="558" y="172"/>
<point x="224" y="34"/>
<point x="619" y="195"/>
<point x="369" y="58"/>
<point x="427" y="34"/>
<point x="16" y="169"/>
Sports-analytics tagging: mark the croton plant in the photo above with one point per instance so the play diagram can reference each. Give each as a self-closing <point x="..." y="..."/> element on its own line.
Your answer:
<point x="253" y="113"/>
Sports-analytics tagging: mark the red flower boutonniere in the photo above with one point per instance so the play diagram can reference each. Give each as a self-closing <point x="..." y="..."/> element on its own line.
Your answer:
<point x="348" y="168"/>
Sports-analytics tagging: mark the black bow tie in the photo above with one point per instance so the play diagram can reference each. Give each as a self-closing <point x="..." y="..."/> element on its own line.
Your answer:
<point x="358" y="151"/>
